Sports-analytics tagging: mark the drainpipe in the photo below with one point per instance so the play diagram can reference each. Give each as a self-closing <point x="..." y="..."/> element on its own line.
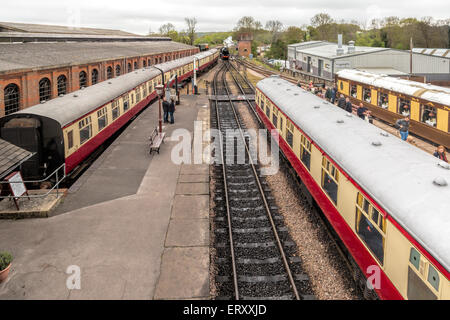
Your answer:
<point x="195" y="76"/>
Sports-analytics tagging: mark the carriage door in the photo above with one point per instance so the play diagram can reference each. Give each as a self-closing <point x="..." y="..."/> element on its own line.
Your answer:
<point x="25" y="133"/>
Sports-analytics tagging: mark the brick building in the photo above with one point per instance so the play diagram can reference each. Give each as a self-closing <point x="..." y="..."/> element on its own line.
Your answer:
<point x="58" y="63"/>
<point x="245" y="44"/>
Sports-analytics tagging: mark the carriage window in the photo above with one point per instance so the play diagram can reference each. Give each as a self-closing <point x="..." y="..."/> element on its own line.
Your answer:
<point x="132" y="98"/>
<point x="262" y="104"/>
<point x="290" y="133"/>
<point x="371" y="227"/>
<point x="404" y="106"/>
<point x="305" y="152"/>
<point x="85" y="127"/>
<point x="383" y="100"/>
<point x="150" y="87"/>
<point x="70" y="139"/>
<point x="275" y="117"/>
<point x="268" y="111"/>
<point x="330" y="179"/>
<point x="414" y="258"/>
<point x="115" y="109"/>
<point x="429" y="115"/>
<point x="353" y="91"/>
<point x="126" y="103"/>
<point x="144" y="90"/>
<point x="433" y="277"/>
<point x="367" y="95"/>
<point x="138" y="94"/>
<point x="102" y="119"/>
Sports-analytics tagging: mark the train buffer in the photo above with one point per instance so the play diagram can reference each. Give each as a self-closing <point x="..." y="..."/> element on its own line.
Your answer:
<point x="156" y="138"/>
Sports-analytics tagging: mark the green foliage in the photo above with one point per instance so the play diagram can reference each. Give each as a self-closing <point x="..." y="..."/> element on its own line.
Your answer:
<point x="215" y="38"/>
<point x="5" y="260"/>
<point x="277" y="50"/>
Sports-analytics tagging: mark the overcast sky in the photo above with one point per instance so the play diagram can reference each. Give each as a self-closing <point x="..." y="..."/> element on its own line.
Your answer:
<point x="213" y="15"/>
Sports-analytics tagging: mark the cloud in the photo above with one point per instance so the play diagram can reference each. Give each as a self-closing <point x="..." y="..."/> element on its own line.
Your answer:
<point x="213" y="15"/>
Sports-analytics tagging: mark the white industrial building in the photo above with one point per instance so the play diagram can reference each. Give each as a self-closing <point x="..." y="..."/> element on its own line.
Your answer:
<point x="323" y="59"/>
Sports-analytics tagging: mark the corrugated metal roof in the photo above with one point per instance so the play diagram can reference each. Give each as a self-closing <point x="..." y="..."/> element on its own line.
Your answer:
<point x="15" y="56"/>
<point x="397" y="175"/>
<point x="11" y="156"/>
<point x="328" y="50"/>
<point x="440" y="52"/>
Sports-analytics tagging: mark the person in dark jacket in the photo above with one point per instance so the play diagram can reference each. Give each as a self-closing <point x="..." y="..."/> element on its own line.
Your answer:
<point x="440" y="154"/>
<point x="165" y="106"/>
<point x="333" y="94"/>
<point x="404" y="127"/>
<point x="361" y="111"/>
<point x="341" y="102"/>
<point x="171" y="110"/>
<point x="348" y="106"/>
<point x="328" y="94"/>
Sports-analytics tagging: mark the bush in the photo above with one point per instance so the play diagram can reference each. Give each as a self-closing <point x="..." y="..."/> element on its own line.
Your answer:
<point x="5" y="260"/>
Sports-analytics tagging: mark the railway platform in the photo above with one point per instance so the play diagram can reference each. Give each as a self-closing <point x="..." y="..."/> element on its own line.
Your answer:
<point x="134" y="226"/>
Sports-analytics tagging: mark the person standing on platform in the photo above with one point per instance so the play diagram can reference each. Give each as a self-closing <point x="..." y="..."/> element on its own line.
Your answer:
<point x="171" y="110"/>
<point x="341" y="102"/>
<point x="404" y="127"/>
<point x="333" y="94"/>
<point x="328" y="94"/>
<point x="348" y="105"/>
<point x="165" y="106"/>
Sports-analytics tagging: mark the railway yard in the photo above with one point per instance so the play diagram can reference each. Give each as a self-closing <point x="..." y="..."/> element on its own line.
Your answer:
<point x="202" y="218"/>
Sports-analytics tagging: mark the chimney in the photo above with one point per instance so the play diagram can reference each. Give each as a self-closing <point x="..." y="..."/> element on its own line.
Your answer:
<point x="339" y="50"/>
<point x="351" y="46"/>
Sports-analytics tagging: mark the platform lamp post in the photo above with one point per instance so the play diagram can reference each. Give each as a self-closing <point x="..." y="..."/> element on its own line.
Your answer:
<point x="159" y="91"/>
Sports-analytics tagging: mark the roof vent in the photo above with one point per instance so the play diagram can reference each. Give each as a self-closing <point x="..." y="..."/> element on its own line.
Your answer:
<point x="376" y="143"/>
<point x="288" y="89"/>
<point x="339" y="50"/>
<point x="61" y="95"/>
<point x="316" y="107"/>
<point x="109" y="82"/>
<point x="340" y="121"/>
<point x="439" y="181"/>
<point x="348" y="114"/>
<point x="75" y="96"/>
<point x="351" y="47"/>
<point x="43" y="101"/>
<point x="295" y="94"/>
<point x="384" y="134"/>
<point x="444" y="165"/>
<point x="82" y="88"/>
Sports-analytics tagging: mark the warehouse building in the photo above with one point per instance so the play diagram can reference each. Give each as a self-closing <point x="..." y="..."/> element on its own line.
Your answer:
<point x="44" y="62"/>
<point x="323" y="59"/>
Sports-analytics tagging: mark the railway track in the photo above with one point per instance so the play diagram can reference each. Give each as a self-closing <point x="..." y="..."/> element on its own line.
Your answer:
<point x="244" y="86"/>
<point x="255" y="257"/>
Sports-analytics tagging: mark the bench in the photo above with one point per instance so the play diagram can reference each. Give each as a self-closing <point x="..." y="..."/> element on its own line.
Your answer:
<point x="155" y="140"/>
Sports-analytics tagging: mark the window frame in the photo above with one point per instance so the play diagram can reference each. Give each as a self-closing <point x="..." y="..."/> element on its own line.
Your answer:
<point x="109" y="73"/>
<point x="102" y="114"/>
<point x="368" y="91"/>
<point x="330" y="170"/>
<point x="379" y="225"/>
<point x="85" y="123"/>
<point x="45" y="94"/>
<point x="115" y="110"/>
<point x="82" y="79"/>
<point x="305" y="148"/>
<point x="61" y="85"/>
<point x="11" y="98"/>
<point x="423" y="271"/>
<point x="380" y="96"/>
<point x="428" y="108"/>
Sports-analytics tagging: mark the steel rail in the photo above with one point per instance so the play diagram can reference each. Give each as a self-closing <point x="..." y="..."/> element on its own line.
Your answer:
<point x="261" y="190"/>
<point x="224" y="172"/>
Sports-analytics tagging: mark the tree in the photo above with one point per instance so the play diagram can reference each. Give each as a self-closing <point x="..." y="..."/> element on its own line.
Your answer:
<point x="166" y="28"/>
<point x="274" y="27"/>
<point x="190" y="32"/>
<point x="294" y="35"/>
<point x="321" y="19"/>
